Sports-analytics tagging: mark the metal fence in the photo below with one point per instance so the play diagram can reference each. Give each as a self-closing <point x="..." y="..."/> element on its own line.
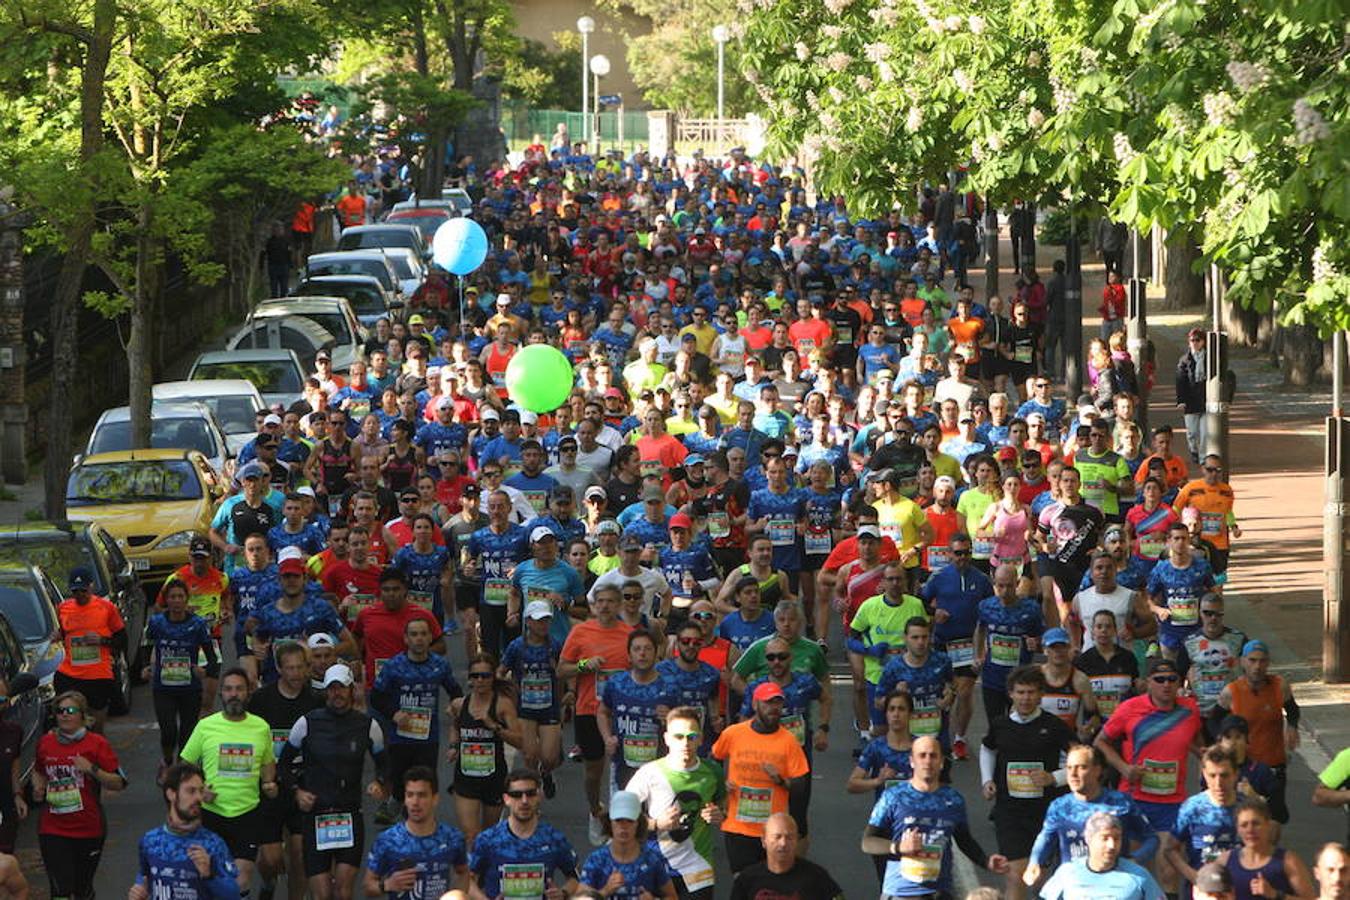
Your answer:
<point x="521" y="123"/>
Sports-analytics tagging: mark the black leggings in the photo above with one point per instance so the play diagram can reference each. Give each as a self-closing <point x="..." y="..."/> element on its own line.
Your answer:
<point x="71" y="864"/>
<point x="177" y="715"/>
<point x="996" y="703"/>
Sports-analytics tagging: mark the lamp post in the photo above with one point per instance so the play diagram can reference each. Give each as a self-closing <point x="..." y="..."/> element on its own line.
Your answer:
<point x="585" y="25"/>
<point x="599" y="68"/>
<point x="720" y="35"/>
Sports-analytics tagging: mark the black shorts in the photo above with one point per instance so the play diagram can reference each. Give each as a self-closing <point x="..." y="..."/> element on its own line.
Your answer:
<point x="467" y="596"/>
<point x="320" y="862"/>
<point x="274" y="817"/>
<point x="550" y="716"/>
<point x="98" y="692"/>
<point x="1016" y="831"/>
<point x="487" y="791"/>
<point x="588" y="738"/>
<point x="813" y="562"/>
<point x="403" y="756"/>
<point x="1067" y="577"/>
<point x="992" y="364"/>
<point x="240" y="833"/>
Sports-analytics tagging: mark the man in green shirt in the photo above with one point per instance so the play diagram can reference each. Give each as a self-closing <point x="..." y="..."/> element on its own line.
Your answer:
<point x="1105" y="474"/>
<point x="234" y="749"/>
<point x="1333" y="788"/>
<point x="684" y="796"/>
<point x="788" y="621"/>
<point x="877" y="631"/>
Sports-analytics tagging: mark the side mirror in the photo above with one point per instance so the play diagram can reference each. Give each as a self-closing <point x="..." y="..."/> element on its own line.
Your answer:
<point x="396" y="304"/>
<point x="22" y="684"/>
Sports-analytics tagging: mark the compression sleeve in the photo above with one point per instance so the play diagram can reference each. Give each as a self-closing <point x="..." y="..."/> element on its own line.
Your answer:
<point x="970" y="847"/>
<point x="1292" y="711"/>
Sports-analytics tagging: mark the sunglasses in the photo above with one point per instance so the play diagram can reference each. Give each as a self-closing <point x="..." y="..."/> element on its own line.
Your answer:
<point x="632" y="596"/>
<point x="475" y="676"/>
<point x="777" y="657"/>
<point x="1165" y="679"/>
<point x="684" y="736"/>
<point x="702" y="616"/>
<point x="1212" y="469"/>
<point x="960" y="553"/>
<point x="518" y="795"/>
<point x="69" y="710"/>
<point x="1211" y="613"/>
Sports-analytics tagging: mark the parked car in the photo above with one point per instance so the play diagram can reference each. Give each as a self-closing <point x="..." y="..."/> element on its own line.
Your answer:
<point x="235" y="401"/>
<point x="354" y="262"/>
<point x="301" y="337"/>
<point x="28" y="601"/>
<point x="456" y="200"/>
<point x="276" y="373"/>
<point x="151" y="501"/>
<point x="333" y="314"/>
<point x="60" y="548"/>
<point x="411" y="268"/>
<point x="185" y="425"/>
<point x="27" y="707"/>
<point x="426" y="219"/>
<point x="384" y="237"/>
<point x="369" y="300"/>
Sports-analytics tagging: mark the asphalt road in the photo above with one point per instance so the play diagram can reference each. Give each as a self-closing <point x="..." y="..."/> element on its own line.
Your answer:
<point x="837" y="817"/>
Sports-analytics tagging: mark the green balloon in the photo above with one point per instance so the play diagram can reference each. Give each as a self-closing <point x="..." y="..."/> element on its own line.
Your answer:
<point x="539" y="378"/>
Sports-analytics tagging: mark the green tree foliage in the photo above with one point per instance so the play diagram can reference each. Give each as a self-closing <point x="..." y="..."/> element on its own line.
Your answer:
<point x="544" y="78"/>
<point x="1223" y="119"/>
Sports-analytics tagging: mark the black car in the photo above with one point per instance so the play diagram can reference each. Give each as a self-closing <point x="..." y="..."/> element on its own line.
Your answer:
<point x="58" y="549"/>
<point x="26" y="708"/>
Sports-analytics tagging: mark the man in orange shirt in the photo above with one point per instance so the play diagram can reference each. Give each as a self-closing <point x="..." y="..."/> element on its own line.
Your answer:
<point x="92" y="631"/>
<point x="351" y="209"/>
<point x="302" y="232"/>
<point x="1175" y="467"/>
<point x="765" y="768"/>
<point x="1213" y="497"/>
<point x="595" y="650"/>
<point x="658" y="451"/>
<point x="965" y="330"/>
<point x="810" y="331"/>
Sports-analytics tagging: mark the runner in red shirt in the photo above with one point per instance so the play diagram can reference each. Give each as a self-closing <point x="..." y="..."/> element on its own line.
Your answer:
<point x="354" y="582"/>
<point x="810" y="332"/>
<point x="379" y="629"/>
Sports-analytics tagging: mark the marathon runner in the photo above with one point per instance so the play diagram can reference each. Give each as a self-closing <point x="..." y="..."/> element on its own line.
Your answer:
<point x="182" y="858"/>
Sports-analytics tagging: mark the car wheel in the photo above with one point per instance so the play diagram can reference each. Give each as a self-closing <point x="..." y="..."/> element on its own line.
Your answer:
<point x="121" y="699"/>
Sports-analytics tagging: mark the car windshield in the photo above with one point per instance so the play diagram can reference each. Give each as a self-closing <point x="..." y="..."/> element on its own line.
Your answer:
<point x="365" y="300"/>
<point x="401" y="265"/>
<point x="56" y="554"/>
<point x="334" y="323"/>
<point x="352" y="267"/>
<point x="371" y="239"/>
<point x="20" y="603"/>
<point x="233" y="411"/>
<point x="165" y="434"/>
<point x="132" y="481"/>
<point x="426" y="224"/>
<point x="269" y="377"/>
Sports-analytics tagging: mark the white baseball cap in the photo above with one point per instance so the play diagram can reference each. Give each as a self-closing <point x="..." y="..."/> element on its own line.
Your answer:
<point x="338" y="673"/>
<point x="540" y="533"/>
<point x="538" y="609"/>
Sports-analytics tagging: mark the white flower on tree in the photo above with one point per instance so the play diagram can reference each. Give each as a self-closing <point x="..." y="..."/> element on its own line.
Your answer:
<point x="803" y="51"/>
<point x="1219" y="109"/>
<point x="1246" y="76"/>
<point x="976" y="24"/>
<point x="1035" y="118"/>
<point x="838" y="61"/>
<point x="1309" y="126"/>
<point x="914" y="121"/>
<point x="962" y="80"/>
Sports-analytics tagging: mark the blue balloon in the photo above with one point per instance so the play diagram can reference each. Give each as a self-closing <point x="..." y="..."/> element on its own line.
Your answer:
<point x="459" y="246"/>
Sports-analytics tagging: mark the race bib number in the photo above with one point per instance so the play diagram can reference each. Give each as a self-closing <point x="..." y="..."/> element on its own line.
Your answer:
<point x="602" y="676"/>
<point x="358" y="409"/>
<point x="650" y="468"/>
<point x="925" y="866"/>
<point x="279" y="737"/>
<point x="1108" y="690"/>
<point x="477" y="760"/>
<point x="1211" y="524"/>
<point x="982" y="548"/>
<point x="697" y="881"/>
<point x="499" y="379"/>
<point x="938" y="557"/>
<point x="961" y="653"/>
<point x="1151" y="545"/>
<point x="234" y="761"/>
<point x="844" y="334"/>
<point x="423" y="599"/>
<point x="733" y="361"/>
<point x="175" y="671"/>
<point x="334" y="831"/>
<point x="538" y="501"/>
<point x="925" y="720"/>
<point x="819" y="542"/>
<point x="1022" y="353"/>
<point x="1210" y="684"/>
<point x="753" y="804"/>
<point x="356" y="603"/>
<point x="524" y="880"/>
<point x="1005" y="649"/>
<point x="416" y="724"/>
<point x="719" y="524"/>
<point x="86" y="649"/>
<point x="511" y="469"/>
<point x="63" y="796"/>
<point x="1022" y="782"/>
<point x="1185" y="610"/>
<point x="796" y="724"/>
<point x="536" y="691"/>
<point x="638" y="750"/>
<point x="782" y="531"/>
<point x="496" y="591"/>
<point x="1160" y="778"/>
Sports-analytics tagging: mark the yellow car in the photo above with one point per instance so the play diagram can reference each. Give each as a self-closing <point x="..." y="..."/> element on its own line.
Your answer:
<point x="151" y="501"/>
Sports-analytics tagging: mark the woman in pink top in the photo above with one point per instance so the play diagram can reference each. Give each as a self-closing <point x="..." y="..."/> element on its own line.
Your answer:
<point x="1009" y="522"/>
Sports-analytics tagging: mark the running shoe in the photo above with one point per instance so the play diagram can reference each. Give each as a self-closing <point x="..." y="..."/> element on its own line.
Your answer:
<point x="959" y="751"/>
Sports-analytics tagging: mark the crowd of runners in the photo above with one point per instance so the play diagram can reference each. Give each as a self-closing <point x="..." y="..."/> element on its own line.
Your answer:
<point x="796" y="438"/>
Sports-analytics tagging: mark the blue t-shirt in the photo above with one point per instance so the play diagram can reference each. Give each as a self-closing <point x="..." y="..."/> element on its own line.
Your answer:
<point x="252" y="591"/>
<point x="435" y="857"/>
<point x="534" y="668"/>
<point x="496" y="553"/>
<point x="314" y="616"/>
<point x="798" y="695"/>
<point x="1127" y="881"/>
<point x="742" y="633"/>
<point x="1205" y="829"/>
<point x="783" y="511"/>
<point x="1006" y="631"/>
<point x="166" y="870"/>
<point x="959" y="592"/>
<point x="435" y="439"/>
<point x="646" y="874"/>
<point x="875" y="358"/>
<point x="695" y="560"/>
<point x="309" y="539"/>
<point x="926" y="684"/>
<point x="536" y="489"/>
<point x="567" y="531"/>
<point x="648" y="532"/>
<point x="414" y="688"/>
<point x="822" y="516"/>
<point x="498" y="447"/>
<point x="937" y="816"/>
<point x="1180" y="591"/>
<point x="178" y="644"/>
<point x="695" y="688"/>
<point x="877" y="755"/>
<point x="632" y="707"/>
<point x="1067" y="814"/>
<point x="528" y="862"/>
<point x="423" y="571"/>
<point x="1053" y="413"/>
<point x="535" y="583"/>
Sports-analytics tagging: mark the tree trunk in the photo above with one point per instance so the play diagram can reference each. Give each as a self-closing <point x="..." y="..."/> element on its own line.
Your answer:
<point x="431" y="176"/>
<point x="1242" y="324"/>
<point x="140" y="378"/>
<point x="1302" y="355"/>
<point x="1183" y="287"/>
<point x="66" y="299"/>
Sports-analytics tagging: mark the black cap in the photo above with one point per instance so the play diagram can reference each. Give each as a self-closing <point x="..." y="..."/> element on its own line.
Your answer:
<point x="1232" y="722"/>
<point x="1161" y="664"/>
<point x="199" y="546"/>
<point x="393" y="573"/>
<point x="81" y="577"/>
<point x="561" y="492"/>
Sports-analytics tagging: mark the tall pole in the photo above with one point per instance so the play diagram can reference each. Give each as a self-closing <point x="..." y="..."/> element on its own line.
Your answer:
<point x="1216" y="366"/>
<point x="1336" y="529"/>
<point x="595" y="114"/>
<point x="1073" y="305"/>
<point x="990" y="248"/>
<point x="586" y="25"/>
<point x="721" y="82"/>
<point x="1136" y="323"/>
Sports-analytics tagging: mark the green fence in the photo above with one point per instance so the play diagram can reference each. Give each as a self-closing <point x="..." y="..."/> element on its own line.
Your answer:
<point x="522" y="123"/>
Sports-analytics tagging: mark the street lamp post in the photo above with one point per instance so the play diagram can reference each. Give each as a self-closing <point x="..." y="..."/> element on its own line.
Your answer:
<point x="585" y="25"/>
<point x="599" y="68"/>
<point x="720" y="35"/>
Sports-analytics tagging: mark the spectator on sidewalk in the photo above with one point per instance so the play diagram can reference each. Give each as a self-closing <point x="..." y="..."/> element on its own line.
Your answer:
<point x="1191" y="390"/>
